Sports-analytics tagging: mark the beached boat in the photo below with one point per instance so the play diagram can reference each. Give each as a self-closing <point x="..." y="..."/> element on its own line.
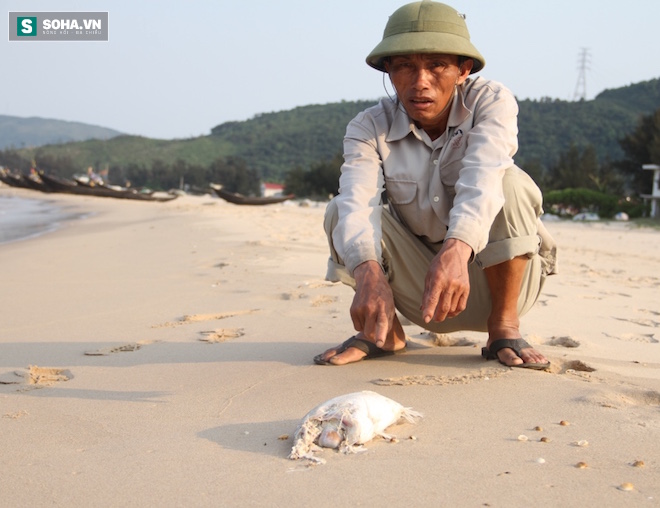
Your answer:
<point x="240" y="199"/>
<point x="12" y="180"/>
<point x="23" y="181"/>
<point x="59" y="184"/>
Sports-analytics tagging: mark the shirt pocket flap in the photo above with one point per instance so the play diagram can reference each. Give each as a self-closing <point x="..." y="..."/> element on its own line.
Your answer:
<point x="400" y="192"/>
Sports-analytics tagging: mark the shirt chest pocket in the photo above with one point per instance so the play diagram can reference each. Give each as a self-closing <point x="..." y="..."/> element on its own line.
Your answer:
<point x="400" y="192"/>
<point x="450" y="171"/>
<point x="452" y="160"/>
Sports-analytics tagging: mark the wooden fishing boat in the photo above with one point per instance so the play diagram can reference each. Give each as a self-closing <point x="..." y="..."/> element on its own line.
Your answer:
<point x="22" y="181"/>
<point x="240" y="199"/>
<point x="59" y="184"/>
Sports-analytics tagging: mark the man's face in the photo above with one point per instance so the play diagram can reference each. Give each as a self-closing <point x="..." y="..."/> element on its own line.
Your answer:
<point x="425" y="83"/>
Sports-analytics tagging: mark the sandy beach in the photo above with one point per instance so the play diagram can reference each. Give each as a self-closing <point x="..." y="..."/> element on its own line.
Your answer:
<point x="160" y="354"/>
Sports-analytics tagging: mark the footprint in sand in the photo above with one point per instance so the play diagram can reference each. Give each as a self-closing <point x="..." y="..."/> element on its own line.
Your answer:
<point x="16" y="415"/>
<point x="196" y="318"/>
<point x="36" y="377"/>
<point x="649" y="281"/>
<point x="642" y="322"/>
<point x="574" y="367"/>
<point x="433" y="380"/>
<point x="319" y="284"/>
<point x="294" y="295"/>
<point x="618" y="399"/>
<point x="565" y="341"/>
<point x="446" y="340"/>
<point x="614" y="293"/>
<point x="221" y="335"/>
<point x="645" y="338"/>
<point x="300" y="292"/>
<point x="256" y="243"/>
<point x="119" y="349"/>
<point x="317" y="301"/>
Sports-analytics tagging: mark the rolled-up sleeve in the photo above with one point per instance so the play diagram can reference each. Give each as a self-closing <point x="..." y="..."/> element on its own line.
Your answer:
<point x="357" y="236"/>
<point x="490" y="145"/>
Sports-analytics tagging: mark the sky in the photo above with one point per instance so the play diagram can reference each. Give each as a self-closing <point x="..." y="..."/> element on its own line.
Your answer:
<point x="176" y="69"/>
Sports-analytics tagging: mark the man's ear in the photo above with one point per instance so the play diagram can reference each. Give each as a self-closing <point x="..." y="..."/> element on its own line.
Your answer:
<point x="464" y="70"/>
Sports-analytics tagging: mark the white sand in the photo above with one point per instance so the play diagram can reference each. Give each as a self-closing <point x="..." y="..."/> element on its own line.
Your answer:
<point x="155" y="354"/>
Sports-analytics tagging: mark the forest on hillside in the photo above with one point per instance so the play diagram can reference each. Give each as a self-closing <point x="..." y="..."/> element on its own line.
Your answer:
<point x="598" y="144"/>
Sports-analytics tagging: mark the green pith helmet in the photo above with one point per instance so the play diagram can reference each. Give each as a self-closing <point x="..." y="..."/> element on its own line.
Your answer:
<point x="425" y="27"/>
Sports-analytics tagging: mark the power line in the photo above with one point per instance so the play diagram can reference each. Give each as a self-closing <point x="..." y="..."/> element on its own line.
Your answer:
<point x="583" y="65"/>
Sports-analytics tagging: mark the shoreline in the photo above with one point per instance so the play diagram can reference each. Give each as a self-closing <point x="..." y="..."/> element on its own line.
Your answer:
<point x="162" y="353"/>
<point x="26" y="215"/>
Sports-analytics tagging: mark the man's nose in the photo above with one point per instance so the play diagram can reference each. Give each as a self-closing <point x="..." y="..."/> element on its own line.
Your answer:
<point x="421" y="78"/>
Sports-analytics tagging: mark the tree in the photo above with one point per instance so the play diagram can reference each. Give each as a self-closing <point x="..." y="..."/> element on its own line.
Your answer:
<point x="61" y="165"/>
<point x="235" y="176"/>
<point x="321" y="180"/>
<point x="608" y="179"/>
<point x="642" y="146"/>
<point x="12" y="159"/>
<point x="539" y="174"/>
<point x="573" y="169"/>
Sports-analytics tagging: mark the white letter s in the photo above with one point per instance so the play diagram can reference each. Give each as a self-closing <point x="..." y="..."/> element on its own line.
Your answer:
<point x="27" y="26"/>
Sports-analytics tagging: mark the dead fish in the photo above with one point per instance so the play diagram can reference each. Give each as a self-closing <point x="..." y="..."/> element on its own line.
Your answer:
<point x="346" y="423"/>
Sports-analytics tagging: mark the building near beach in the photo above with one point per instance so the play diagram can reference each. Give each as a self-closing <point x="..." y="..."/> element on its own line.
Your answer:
<point x="271" y="189"/>
<point x="655" y="192"/>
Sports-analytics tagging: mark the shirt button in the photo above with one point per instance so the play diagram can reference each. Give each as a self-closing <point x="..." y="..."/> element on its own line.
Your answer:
<point x="436" y="198"/>
<point x="435" y="162"/>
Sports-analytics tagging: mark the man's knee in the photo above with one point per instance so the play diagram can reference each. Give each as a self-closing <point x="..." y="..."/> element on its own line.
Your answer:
<point x="514" y="231"/>
<point x="330" y="218"/>
<point x="523" y="200"/>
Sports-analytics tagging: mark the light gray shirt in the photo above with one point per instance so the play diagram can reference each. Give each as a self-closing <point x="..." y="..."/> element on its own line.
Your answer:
<point x="447" y="188"/>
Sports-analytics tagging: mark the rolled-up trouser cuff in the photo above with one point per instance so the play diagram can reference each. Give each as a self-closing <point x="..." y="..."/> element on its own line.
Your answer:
<point x="505" y="250"/>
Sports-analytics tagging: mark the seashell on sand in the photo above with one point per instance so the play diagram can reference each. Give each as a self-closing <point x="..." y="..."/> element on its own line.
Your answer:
<point x="581" y="465"/>
<point x="346" y="423"/>
<point x="544" y="439"/>
<point x="627" y="486"/>
<point x="538" y="428"/>
<point x="564" y="423"/>
<point x="582" y="443"/>
<point x="523" y="437"/>
<point x="638" y="463"/>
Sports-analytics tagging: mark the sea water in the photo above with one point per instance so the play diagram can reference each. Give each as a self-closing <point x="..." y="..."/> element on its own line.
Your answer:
<point x="23" y="218"/>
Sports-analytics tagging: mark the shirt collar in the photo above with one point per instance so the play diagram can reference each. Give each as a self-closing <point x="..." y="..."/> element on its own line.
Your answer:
<point x="401" y="126"/>
<point x="459" y="111"/>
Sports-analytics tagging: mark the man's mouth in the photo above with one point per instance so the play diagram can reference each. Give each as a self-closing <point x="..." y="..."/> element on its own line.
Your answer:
<point x="421" y="100"/>
<point x="419" y="104"/>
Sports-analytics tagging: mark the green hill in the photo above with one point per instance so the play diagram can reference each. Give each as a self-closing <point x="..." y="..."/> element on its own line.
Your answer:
<point x="271" y="143"/>
<point x="275" y="143"/>
<point x="21" y="132"/>
<point x="548" y="127"/>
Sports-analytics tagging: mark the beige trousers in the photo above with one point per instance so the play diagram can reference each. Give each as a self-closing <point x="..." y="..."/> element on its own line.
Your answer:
<point x="516" y="231"/>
